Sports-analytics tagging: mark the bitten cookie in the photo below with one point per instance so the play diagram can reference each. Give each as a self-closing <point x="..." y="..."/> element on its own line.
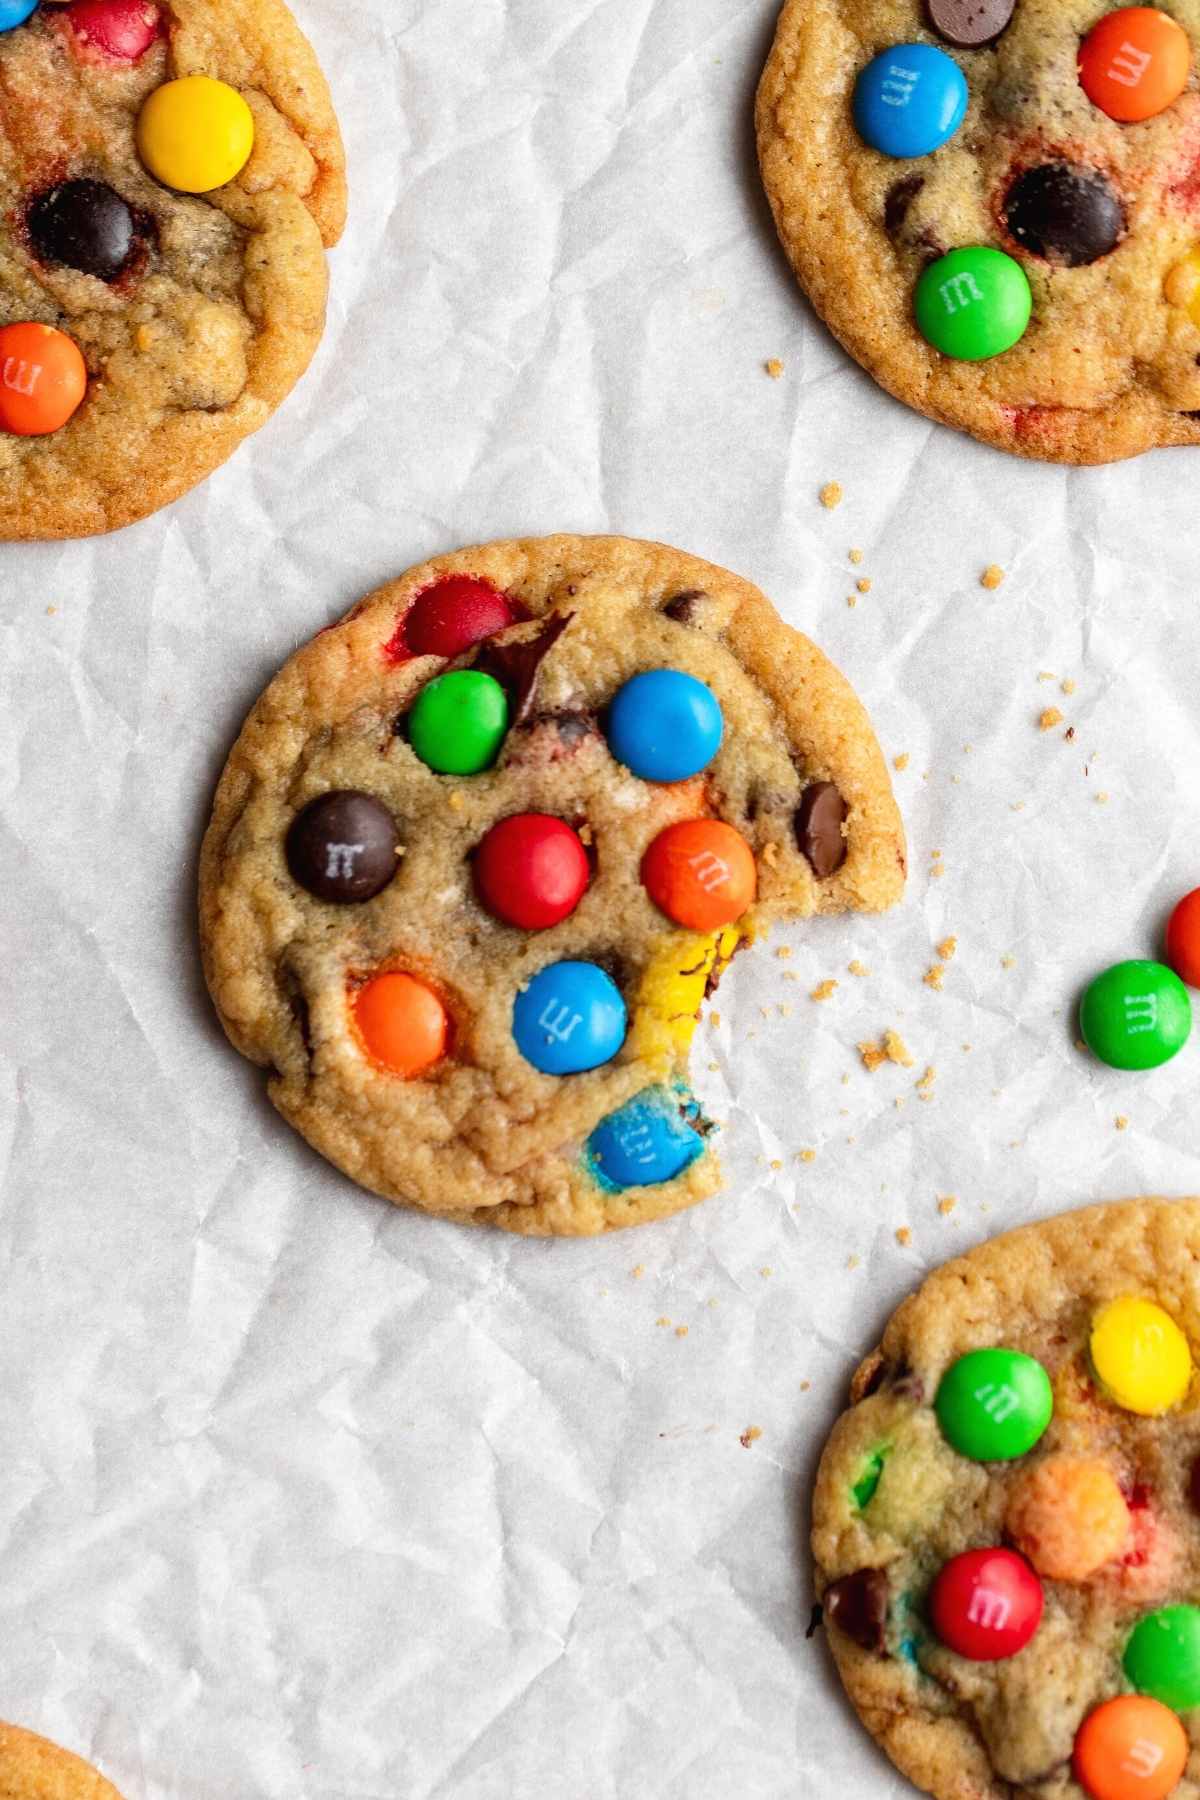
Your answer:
<point x="995" y="205"/>
<point x="1006" y="1523"/>
<point x="32" y="1768"/>
<point x="170" y="175"/>
<point x="482" y="848"/>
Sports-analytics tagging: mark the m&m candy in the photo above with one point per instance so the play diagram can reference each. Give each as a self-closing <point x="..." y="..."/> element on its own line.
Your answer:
<point x="84" y="225"/>
<point x="648" y="1140"/>
<point x="1183" y="929"/>
<point x="1068" y="1515"/>
<point x="1131" y="1748"/>
<point x="1134" y="63"/>
<point x="531" y="871"/>
<point x="1136" y="1015"/>
<point x="1140" y="1356"/>
<point x="665" y="725"/>
<point x="986" y="1604"/>
<point x="122" y="29"/>
<point x="1162" y="1657"/>
<point x="344" y="847"/>
<point x="401" y="1022"/>
<point x="909" y="100"/>
<point x="453" y="614"/>
<point x="973" y="303"/>
<point x="458" y="723"/>
<point x="994" y="1405"/>
<point x="195" y="134"/>
<point x="701" y="873"/>
<point x="570" y="1017"/>
<point x="15" y="12"/>
<point x="43" y="379"/>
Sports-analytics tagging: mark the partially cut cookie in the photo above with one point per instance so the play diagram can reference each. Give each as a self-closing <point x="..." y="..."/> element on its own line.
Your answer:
<point x="996" y="208"/>
<point x="32" y="1768"/>
<point x="171" y="172"/>
<point x="1006" y="1525"/>
<point x="482" y="848"/>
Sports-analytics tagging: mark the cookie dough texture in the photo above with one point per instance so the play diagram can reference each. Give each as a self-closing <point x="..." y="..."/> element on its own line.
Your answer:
<point x="32" y="1768"/>
<point x="1005" y="1730"/>
<point x="486" y="1135"/>
<point x="194" y="347"/>
<point x="1109" y="367"/>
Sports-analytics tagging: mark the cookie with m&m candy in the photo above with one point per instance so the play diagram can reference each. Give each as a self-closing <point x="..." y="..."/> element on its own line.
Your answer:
<point x="1006" y="1524"/>
<point x="164" y="264"/>
<point x="991" y="203"/>
<point x="32" y="1768"/>
<point x="485" y="847"/>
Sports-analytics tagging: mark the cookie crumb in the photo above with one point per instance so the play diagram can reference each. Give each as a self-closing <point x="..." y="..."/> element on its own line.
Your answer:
<point x="766" y="1271"/>
<point x="947" y="948"/>
<point x="1008" y="962"/>
<point x="934" y="976"/>
<point x="1102" y="798"/>
<point x="852" y="1262"/>
<point x="900" y="763"/>
<point x="831" y="495"/>
<point x="851" y="599"/>
<point x="824" y="990"/>
<point x="903" y="1235"/>
<point x="805" y="1386"/>
<point x="783" y="950"/>
<point x="1049" y="719"/>
<point x="925" y="1085"/>
<point x="714" y="1019"/>
<point x="806" y="1156"/>
<point x="776" y="1163"/>
<point x="750" y="1436"/>
<point x="1067" y="685"/>
<point x="662" y="1322"/>
<point x="891" y="1048"/>
<point x="992" y="576"/>
<point x="1121" y="1122"/>
<point x="863" y="584"/>
<point x="681" y="1331"/>
<point x="774" y="368"/>
<point x="937" y="871"/>
<point x="947" y="1204"/>
<point x="784" y="1010"/>
<point x="638" y="1272"/>
<point x="857" y="968"/>
<point x="50" y="611"/>
<point x="856" y="556"/>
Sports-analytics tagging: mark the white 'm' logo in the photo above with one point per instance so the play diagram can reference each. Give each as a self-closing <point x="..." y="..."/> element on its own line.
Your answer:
<point x="1141" y="1013"/>
<point x="555" y="1021"/>
<point x="990" y="1609"/>
<point x="1128" y="65"/>
<point x="999" y="1401"/>
<point x="711" y="871"/>
<point x="635" y="1141"/>
<point x="960" y="291"/>
<point x="901" y="81"/>
<point x="21" y="377"/>
<point x="339" y="860"/>
<point x="1143" y="1759"/>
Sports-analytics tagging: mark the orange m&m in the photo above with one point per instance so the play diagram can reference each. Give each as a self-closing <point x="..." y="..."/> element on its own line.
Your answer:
<point x="401" y="1022"/>
<point x="43" y="379"/>
<point x="700" y="873"/>
<point x="1134" y="63"/>
<point x="1131" y="1748"/>
<point x="1067" y="1515"/>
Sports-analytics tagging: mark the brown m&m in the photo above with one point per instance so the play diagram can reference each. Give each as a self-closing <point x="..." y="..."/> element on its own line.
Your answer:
<point x="343" y="847"/>
<point x="970" y="23"/>
<point x="1067" y="214"/>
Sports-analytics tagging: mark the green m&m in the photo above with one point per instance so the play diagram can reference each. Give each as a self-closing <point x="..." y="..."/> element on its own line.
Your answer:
<point x="459" y="722"/>
<point x="994" y="1405"/>
<point x="973" y="303"/>
<point x="1136" y="1015"/>
<point x="1162" y="1658"/>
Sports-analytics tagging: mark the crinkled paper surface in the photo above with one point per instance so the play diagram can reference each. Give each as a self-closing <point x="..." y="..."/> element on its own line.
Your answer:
<point x="303" y="1498"/>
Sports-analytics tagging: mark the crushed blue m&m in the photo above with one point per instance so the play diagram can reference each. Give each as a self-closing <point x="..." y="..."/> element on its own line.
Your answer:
<point x="909" y="100"/>
<point x="571" y="1017"/>
<point x="649" y="1139"/>
<point x="665" y="725"/>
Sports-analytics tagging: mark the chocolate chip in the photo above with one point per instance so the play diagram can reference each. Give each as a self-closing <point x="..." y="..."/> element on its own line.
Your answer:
<point x="683" y="608"/>
<point x="1067" y="214"/>
<point x="900" y="197"/>
<point x="342" y="847"/>
<point x="819" y="820"/>
<point x="858" y="1606"/>
<point x="870" y="1378"/>
<point x="550" y="737"/>
<point x="86" y="225"/>
<point x="970" y="23"/>
<point x="515" y="665"/>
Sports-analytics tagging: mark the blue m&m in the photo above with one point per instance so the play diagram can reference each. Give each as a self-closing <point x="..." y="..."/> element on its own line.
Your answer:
<point x="15" y="12"/>
<point x="649" y="1139"/>
<point x="665" y="725"/>
<point x="909" y="100"/>
<point x="571" y="1017"/>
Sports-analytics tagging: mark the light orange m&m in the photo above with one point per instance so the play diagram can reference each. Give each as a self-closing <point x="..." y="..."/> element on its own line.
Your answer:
<point x="401" y="1022"/>
<point x="1134" y="63"/>
<point x="700" y="873"/>
<point x="1131" y="1748"/>
<point x="43" y="379"/>
<point x="1068" y="1516"/>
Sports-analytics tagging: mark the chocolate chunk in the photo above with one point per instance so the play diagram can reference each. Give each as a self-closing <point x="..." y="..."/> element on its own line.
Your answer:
<point x="819" y="820"/>
<point x="1067" y="214"/>
<point x="342" y="847"/>
<point x="970" y="23"/>
<point x="900" y="197"/>
<point x="858" y="1606"/>
<point x="86" y="225"/>
<point x="683" y="608"/>
<point x="515" y="665"/>
<point x="551" y="736"/>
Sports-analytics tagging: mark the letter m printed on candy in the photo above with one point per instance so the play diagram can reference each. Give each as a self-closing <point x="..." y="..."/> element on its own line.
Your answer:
<point x="554" y="1019"/>
<point x="1128" y="65"/>
<point x="898" y="85"/>
<point x="20" y="376"/>
<point x="340" y="859"/>
<point x="636" y="1142"/>
<point x="1141" y="1013"/>
<point x="1143" y="1759"/>
<point x="961" y="290"/>
<point x="712" y="871"/>
<point x="998" y="1400"/>
<point x="989" y="1609"/>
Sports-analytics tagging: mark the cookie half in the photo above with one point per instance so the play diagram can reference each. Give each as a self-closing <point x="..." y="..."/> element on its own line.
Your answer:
<point x="1006" y="1527"/>
<point x="32" y="1768"/>
<point x="530" y="1069"/>
<point x="1096" y="217"/>
<point x="194" y="312"/>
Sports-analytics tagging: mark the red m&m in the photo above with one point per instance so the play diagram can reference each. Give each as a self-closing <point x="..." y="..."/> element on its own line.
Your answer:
<point x="453" y="614"/>
<point x="986" y="1604"/>
<point x="124" y="29"/>
<point x="531" y="871"/>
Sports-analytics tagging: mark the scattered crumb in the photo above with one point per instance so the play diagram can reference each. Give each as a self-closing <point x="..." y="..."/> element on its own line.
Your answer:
<point x="937" y="871"/>
<point x="1008" y="962"/>
<point x="1121" y="1122"/>
<point x="1049" y="719"/>
<point x="852" y="1262"/>
<point x="662" y="1321"/>
<point x="764" y="1012"/>
<point x="790" y="975"/>
<point x="898" y="1103"/>
<point x="824" y="990"/>
<point x="750" y="1436"/>
<point x="638" y="1272"/>
<point x="1016" y="806"/>
<point x="714" y="1019"/>
<point x="858" y="968"/>
<point x="713" y="1068"/>
<point x="1102" y="798"/>
<point x="992" y="576"/>
<point x="934" y="976"/>
<point x="714" y="1301"/>
<point x="946" y="949"/>
<point x="784" y="1010"/>
<point x="776" y="1162"/>
<point x="1046" y="675"/>
<point x="856" y="556"/>
<point x="934" y="855"/>
<point x="1067" y="685"/>
<point x="966" y="1049"/>
<point x="851" y="599"/>
<point x="831" y="495"/>
<point x="903" y="1235"/>
<point x="681" y="1331"/>
<point x="766" y="1271"/>
<point x="774" y="368"/>
<point x="925" y="1085"/>
<point x="806" y="1156"/>
<point x="805" y="1386"/>
<point x="50" y="611"/>
<point x="900" y="762"/>
<point x="863" y="584"/>
<point x="783" y="950"/>
<point x="1069" y="734"/>
<point x="891" y="1048"/>
<point x="947" y="1204"/>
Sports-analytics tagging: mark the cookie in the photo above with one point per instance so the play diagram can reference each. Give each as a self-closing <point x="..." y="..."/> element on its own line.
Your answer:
<point x="482" y="848"/>
<point x="32" y="1768"/>
<point x="995" y="206"/>
<point x="170" y="176"/>
<point x="1006" y="1523"/>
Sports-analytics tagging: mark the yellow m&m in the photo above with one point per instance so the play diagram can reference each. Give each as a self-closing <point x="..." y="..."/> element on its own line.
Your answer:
<point x="1140" y="1356"/>
<point x="195" y="134"/>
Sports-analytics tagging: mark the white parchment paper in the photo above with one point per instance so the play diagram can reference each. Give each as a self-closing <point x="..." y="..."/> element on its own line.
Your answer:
<point x="303" y="1498"/>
